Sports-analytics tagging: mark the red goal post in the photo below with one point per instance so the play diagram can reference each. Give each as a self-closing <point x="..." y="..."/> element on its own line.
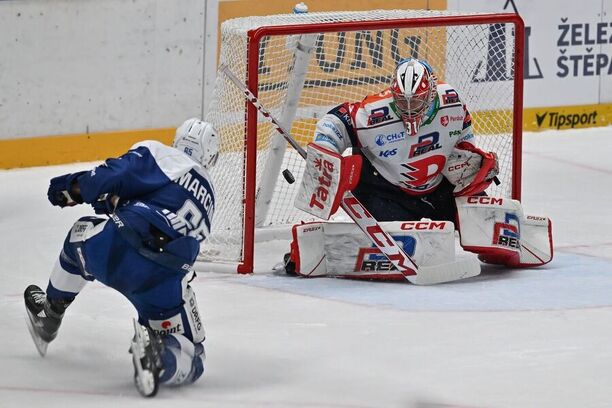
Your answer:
<point x="299" y="66"/>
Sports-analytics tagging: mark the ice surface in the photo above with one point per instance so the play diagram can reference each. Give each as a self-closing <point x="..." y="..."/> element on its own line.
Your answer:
<point x="523" y="338"/>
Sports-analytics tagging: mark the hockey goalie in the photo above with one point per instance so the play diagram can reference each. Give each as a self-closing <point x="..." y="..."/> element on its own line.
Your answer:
<point x="409" y="155"/>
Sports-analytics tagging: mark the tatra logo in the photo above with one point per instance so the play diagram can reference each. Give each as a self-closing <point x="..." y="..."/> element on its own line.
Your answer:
<point x="444" y="120"/>
<point x="321" y="193"/>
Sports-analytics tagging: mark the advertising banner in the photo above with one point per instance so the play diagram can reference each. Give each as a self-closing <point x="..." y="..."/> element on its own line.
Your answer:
<point x="568" y="49"/>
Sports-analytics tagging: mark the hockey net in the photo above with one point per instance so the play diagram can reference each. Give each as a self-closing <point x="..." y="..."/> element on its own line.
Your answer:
<point x="302" y="65"/>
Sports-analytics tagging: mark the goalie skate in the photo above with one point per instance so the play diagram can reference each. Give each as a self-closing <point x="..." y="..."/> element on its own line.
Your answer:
<point x="146" y="352"/>
<point x="42" y="320"/>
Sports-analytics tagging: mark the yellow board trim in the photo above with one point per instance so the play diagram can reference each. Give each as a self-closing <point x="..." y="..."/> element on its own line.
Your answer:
<point x="567" y="117"/>
<point x="52" y="150"/>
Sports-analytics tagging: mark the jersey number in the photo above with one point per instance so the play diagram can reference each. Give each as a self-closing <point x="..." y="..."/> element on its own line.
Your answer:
<point x="191" y="221"/>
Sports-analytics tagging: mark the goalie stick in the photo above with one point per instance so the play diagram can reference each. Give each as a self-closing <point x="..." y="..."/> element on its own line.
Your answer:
<point x="425" y="275"/>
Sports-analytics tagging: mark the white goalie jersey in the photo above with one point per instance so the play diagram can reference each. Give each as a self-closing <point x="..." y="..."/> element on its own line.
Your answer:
<point x="413" y="163"/>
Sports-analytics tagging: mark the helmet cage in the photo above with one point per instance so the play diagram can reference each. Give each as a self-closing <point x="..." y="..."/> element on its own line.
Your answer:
<point x="414" y="95"/>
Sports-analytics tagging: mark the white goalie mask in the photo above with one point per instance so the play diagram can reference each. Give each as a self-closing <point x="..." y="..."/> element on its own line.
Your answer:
<point x="199" y="140"/>
<point x="414" y="90"/>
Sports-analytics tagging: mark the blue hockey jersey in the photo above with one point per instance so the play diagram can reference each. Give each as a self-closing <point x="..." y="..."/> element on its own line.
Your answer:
<point x="157" y="185"/>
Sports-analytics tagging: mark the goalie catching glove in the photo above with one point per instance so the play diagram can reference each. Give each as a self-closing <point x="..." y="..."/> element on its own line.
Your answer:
<point x="327" y="177"/>
<point x="470" y="169"/>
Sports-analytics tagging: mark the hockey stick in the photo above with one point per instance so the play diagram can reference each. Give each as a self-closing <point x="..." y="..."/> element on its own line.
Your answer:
<point x="425" y="275"/>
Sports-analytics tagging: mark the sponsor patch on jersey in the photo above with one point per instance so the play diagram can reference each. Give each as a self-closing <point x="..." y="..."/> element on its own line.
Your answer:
<point x="172" y="325"/>
<point x="387" y="153"/>
<point x="379" y="115"/>
<point x="466" y="138"/>
<point x="450" y="97"/>
<point x="444" y="120"/>
<point x="333" y="128"/>
<point x="342" y="113"/>
<point x="383" y="139"/>
<point x="320" y="137"/>
<point x="426" y="143"/>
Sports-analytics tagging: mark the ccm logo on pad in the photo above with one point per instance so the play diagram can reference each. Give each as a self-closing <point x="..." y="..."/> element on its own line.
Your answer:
<point x="422" y="225"/>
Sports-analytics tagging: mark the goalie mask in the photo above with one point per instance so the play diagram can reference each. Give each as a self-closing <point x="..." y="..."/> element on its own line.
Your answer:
<point x="414" y="90"/>
<point x="199" y="140"/>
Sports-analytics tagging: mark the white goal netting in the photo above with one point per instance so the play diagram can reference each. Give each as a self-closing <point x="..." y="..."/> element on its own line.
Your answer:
<point x="300" y="76"/>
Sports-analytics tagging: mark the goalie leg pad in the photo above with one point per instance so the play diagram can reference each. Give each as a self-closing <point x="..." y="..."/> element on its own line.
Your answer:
<point x="497" y="230"/>
<point x="342" y="250"/>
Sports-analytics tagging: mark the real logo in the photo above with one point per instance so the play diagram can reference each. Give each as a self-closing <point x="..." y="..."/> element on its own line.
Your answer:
<point x="371" y="259"/>
<point x="507" y="233"/>
<point x="379" y="115"/>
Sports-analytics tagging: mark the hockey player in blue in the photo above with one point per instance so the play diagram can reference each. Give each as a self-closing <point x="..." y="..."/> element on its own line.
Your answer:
<point x="160" y="203"/>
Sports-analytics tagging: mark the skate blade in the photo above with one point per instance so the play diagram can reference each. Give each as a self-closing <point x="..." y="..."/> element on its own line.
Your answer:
<point x="40" y="344"/>
<point x="144" y="379"/>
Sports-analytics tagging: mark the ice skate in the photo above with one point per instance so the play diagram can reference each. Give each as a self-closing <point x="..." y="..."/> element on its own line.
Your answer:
<point x="44" y="317"/>
<point x="146" y="352"/>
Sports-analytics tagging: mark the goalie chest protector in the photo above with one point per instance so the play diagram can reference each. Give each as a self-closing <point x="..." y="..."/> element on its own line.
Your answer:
<point x="414" y="163"/>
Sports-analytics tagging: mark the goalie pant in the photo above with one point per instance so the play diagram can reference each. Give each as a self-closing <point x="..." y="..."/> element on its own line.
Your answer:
<point x="95" y="250"/>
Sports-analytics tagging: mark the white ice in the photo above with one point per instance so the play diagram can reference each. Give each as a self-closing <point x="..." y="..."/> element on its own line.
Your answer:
<point x="523" y="338"/>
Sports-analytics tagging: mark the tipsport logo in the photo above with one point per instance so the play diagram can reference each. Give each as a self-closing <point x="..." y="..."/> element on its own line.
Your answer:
<point x="371" y="259"/>
<point x="507" y="233"/>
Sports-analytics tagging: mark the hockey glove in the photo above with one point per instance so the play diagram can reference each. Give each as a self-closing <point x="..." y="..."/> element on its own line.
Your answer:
<point x="62" y="190"/>
<point x="106" y="204"/>
<point x="470" y="169"/>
